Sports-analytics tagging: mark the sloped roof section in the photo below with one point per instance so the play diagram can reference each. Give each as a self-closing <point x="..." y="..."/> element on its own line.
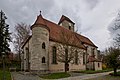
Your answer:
<point x="58" y="34"/>
<point x="65" y="18"/>
<point x="40" y="21"/>
<point x="85" y="40"/>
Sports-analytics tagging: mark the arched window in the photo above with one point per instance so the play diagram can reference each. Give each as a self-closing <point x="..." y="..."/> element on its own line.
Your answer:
<point x="27" y="52"/>
<point x="43" y="45"/>
<point x="98" y="64"/>
<point x="43" y="59"/>
<point x="76" y="57"/>
<point x="83" y="58"/>
<point x="69" y="27"/>
<point x="54" y="57"/>
<point x="92" y="50"/>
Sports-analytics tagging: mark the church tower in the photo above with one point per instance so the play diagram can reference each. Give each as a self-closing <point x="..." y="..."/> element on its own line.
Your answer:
<point x="66" y="23"/>
<point x="40" y="44"/>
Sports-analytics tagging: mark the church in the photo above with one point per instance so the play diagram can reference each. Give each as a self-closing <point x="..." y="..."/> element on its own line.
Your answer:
<point x="51" y="45"/>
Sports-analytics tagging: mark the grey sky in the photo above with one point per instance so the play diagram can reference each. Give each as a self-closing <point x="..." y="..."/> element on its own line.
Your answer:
<point x="92" y="17"/>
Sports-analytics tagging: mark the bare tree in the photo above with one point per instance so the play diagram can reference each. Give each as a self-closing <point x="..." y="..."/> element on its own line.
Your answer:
<point x="22" y="31"/>
<point x="113" y="58"/>
<point x="67" y="50"/>
<point x="116" y="29"/>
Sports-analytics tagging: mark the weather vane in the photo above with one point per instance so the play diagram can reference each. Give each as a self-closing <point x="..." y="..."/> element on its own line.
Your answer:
<point x="40" y="12"/>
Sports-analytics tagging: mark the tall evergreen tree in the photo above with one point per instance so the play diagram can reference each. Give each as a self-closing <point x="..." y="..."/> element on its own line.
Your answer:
<point x="4" y="35"/>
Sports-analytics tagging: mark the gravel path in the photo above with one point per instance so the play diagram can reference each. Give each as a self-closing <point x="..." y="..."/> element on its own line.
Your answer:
<point x="86" y="76"/>
<point x="75" y="76"/>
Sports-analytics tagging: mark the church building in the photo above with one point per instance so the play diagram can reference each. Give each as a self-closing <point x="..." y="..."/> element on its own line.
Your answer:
<point x="51" y="44"/>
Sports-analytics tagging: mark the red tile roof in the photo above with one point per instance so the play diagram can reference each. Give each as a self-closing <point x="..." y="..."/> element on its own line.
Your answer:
<point x="85" y="40"/>
<point x="40" y="21"/>
<point x="57" y="32"/>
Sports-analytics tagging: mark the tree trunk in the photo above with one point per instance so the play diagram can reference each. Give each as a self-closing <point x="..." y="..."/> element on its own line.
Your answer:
<point x="115" y="71"/>
<point x="65" y="67"/>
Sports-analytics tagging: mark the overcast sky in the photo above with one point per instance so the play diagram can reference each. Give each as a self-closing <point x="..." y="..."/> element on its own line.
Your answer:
<point x="91" y="17"/>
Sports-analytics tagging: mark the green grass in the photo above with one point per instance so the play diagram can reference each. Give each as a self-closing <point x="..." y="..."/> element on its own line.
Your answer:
<point x="92" y="72"/>
<point x="56" y="75"/>
<point x="7" y="75"/>
<point x="118" y="72"/>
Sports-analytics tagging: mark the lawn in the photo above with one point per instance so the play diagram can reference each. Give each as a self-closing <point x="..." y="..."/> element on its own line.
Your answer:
<point x="92" y="72"/>
<point x="7" y="75"/>
<point x="56" y="75"/>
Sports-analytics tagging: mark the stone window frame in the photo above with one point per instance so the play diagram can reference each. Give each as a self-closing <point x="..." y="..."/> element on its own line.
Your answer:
<point x="93" y="52"/>
<point x="43" y="59"/>
<point x="98" y="64"/>
<point x="76" y="57"/>
<point x="54" y="55"/>
<point x="27" y="52"/>
<point x="69" y="27"/>
<point x="43" y="45"/>
<point x="83" y="58"/>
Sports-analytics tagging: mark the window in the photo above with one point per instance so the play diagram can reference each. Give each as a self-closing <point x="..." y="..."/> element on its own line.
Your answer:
<point x="43" y="59"/>
<point x="27" y="52"/>
<point x="92" y="50"/>
<point x="83" y="58"/>
<point x="54" y="58"/>
<point x="76" y="57"/>
<point x="98" y="65"/>
<point x="26" y="48"/>
<point x="69" y="27"/>
<point x="43" y="45"/>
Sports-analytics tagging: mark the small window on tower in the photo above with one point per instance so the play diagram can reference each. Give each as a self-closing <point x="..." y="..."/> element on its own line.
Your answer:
<point x="43" y="45"/>
<point x="43" y="59"/>
<point x="98" y="65"/>
<point x="69" y="27"/>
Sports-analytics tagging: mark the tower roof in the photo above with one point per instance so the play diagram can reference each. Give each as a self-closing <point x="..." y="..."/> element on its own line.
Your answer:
<point x="40" y="21"/>
<point x="65" y="18"/>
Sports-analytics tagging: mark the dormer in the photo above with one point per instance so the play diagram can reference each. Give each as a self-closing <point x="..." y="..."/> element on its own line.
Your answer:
<point x="66" y="23"/>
